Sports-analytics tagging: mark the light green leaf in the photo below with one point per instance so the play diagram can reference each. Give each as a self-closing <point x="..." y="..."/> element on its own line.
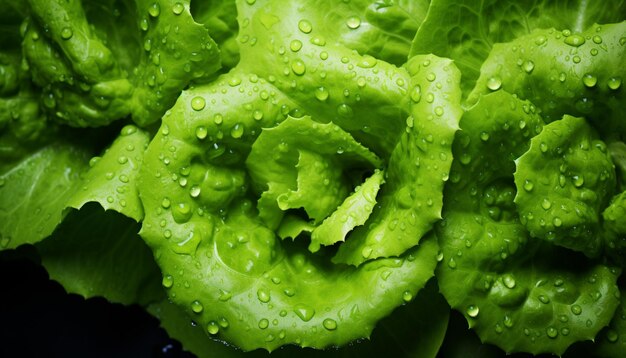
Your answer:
<point x="111" y="179"/>
<point x="466" y="30"/>
<point x="561" y="72"/>
<point x="353" y="212"/>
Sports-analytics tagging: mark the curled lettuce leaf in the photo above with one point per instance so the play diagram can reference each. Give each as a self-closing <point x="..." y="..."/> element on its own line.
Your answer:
<point x="506" y="283"/>
<point x="98" y="62"/>
<point x="467" y="31"/>
<point x="563" y="183"/>
<point x="257" y="152"/>
<point x="564" y="72"/>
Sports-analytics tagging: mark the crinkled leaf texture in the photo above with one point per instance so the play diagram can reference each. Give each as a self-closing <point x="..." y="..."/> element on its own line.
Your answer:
<point x="506" y="283"/>
<point x="467" y="30"/>
<point x="228" y="180"/>
<point x="111" y="179"/>
<point x="416" y="330"/>
<point x="102" y="61"/>
<point x="563" y="183"/>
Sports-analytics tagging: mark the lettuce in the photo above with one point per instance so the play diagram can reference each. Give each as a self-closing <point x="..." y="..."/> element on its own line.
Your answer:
<point x="321" y="178"/>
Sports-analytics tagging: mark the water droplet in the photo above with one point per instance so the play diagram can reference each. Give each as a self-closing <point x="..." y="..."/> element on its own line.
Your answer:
<point x="576" y="309"/>
<point x="67" y="33"/>
<point x="614" y="83"/>
<point x="195" y="191"/>
<point x="201" y="132"/>
<point x="368" y="62"/>
<point x="304" y="313"/>
<point x="197" y="307"/>
<point x="167" y="281"/>
<point x="366" y="252"/>
<point x="544" y="299"/>
<point x="529" y="66"/>
<point x="546" y="204"/>
<point x="509" y="281"/>
<point x="305" y="26"/>
<point x="237" y="131"/>
<point x="154" y="10"/>
<point x="472" y="311"/>
<point x="578" y="180"/>
<point x="494" y="83"/>
<point x="321" y="93"/>
<point x="263" y="295"/>
<point x="234" y="81"/>
<point x="353" y="22"/>
<point x="528" y="185"/>
<point x="225" y="295"/>
<point x="508" y="321"/>
<point x="198" y="103"/>
<point x="295" y="45"/>
<point x="597" y="39"/>
<point x="264" y="323"/>
<point x="452" y="263"/>
<point x="178" y="8"/>
<point x="407" y="296"/>
<point x="344" y="110"/>
<point x="574" y="40"/>
<point x="218" y="119"/>
<point x="562" y="76"/>
<point x="590" y="80"/>
<point x="318" y="41"/>
<point x="324" y="55"/>
<point x="298" y="67"/>
<point x="330" y="324"/>
<point x="552" y="332"/>
<point x="416" y="93"/>
<point x="144" y="25"/>
<point x="431" y="77"/>
<point x="213" y="328"/>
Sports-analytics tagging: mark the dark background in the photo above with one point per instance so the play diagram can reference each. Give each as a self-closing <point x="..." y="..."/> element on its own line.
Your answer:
<point x="39" y="319"/>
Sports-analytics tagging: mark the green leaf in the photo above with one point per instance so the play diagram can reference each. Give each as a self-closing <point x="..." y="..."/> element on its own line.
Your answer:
<point x="34" y="193"/>
<point x="111" y="179"/>
<point x="98" y="253"/>
<point x="564" y="72"/>
<point x="614" y="227"/>
<point x="353" y="212"/>
<point x="563" y="183"/>
<point x="221" y="259"/>
<point x="466" y="30"/>
<point x="302" y="154"/>
<point x="382" y="28"/>
<point x="611" y="342"/>
<point x="509" y="286"/>
<point x="102" y="61"/>
<point x="220" y="19"/>
<point x="418" y="167"/>
<point x="415" y="330"/>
